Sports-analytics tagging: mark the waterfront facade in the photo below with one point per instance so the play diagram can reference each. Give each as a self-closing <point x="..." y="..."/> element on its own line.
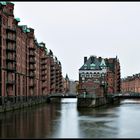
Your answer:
<point x="131" y="83"/>
<point x="99" y="76"/>
<point x="66" y="84"/>
<point x="27" y="69"/>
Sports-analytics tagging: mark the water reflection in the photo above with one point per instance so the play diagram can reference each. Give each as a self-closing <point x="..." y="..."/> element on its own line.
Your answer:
<point x="68" y="127"/>
<point x="64" y="120"/>
<point x="28" y="123"/>
<point x="129" y="123"/>
<point x="98" y="123"/>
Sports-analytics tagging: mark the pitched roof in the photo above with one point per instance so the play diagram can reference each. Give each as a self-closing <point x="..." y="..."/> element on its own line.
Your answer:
<point x="94" y="63"/>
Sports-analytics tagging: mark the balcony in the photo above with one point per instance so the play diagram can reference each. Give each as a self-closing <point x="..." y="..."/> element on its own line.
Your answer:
<point x="11" y="58"/>
<point x="61" y="85"/>
<point x="31" y="48"/>
<point x="31" y="85"/>
<point x="44" y="63"/>
<point x="11" y="29"/>
<point x="57" y="70"/>
<point x="43" y="73"/>
<point x="52" y="78"/>
<point x="44" y="79"/>
<point x="10" y="82"/>
<point x="43" y="58"/>
<point x="32" y="68"/>
<point x="52" y="70"/>
<point x="52" y="83"/>
<point x="57" y="74"/>
<point x="43" y="68"/>
<point x="11" y="69"/>
<point x="32" y="75"/>
<point x="9" y="39"/>
<point x="32" y="54"/>
<point x="32" y="61"/>
<point x="52" y="65"/>
<point x="11" y="49"/>
<point x="52" y="74"/>
<point x="56" y="85"/>
<point x="44" y="85"/>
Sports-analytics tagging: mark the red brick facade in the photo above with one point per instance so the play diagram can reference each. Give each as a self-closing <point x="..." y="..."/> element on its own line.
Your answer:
<point x="113" y="75"/>
<point x="131" y="84"/>
<point x="26" y="68"/>
<point x="99" y="76"/>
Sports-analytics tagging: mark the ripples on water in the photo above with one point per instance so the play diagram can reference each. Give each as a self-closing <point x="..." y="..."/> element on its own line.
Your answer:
<point x="65" y="120"/>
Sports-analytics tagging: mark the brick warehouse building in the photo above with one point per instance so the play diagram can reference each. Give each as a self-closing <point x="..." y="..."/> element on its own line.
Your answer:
<point x="99" y="74"/>
<point x="131" y="83"/>
<point x="27" y="69"/>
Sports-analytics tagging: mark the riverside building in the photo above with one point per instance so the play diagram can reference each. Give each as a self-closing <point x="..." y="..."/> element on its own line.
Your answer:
<point x="99" y="76"/>
<point x="28" y="71"/>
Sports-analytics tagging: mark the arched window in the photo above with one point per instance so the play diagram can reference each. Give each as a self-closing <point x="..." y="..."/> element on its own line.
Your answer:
<point x="87" y="74"/>
<point x="90" y="74"/>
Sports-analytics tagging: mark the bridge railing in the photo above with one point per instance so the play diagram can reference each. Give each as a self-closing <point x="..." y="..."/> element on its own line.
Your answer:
<point x="55" y="94"/>
<point x="61" y="94"/>
<point x="84" y="95"/>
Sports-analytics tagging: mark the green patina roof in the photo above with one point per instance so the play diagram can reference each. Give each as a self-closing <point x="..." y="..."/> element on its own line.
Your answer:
<point x="3" y="3"/>
<point x="10" y="2"/>
<point x="102" y="63"/>
<point x="27" y="30"/>
<point x="92" y="62"/>
<point x="24" y="28"/>
<point x="92" y="65"/>
<point x="17" y="19"/>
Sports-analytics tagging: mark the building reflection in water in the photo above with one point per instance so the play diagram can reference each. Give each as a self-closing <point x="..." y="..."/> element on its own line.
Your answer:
<point x="64" y="120"/>
<point x="34" y="122"/>
<point x="98" y="122"/>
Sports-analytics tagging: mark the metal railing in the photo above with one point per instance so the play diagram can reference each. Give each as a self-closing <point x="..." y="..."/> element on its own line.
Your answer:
<point x="85" y="95"/>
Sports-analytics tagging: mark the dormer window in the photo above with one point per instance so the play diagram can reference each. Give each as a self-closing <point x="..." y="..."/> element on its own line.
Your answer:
<point x="85" y="66"/>
<point x="102" y="64"/>
<point x="92" y="66"/>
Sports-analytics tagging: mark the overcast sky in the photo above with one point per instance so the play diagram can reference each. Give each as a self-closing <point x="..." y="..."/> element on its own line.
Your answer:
<point x="73" y="30"/>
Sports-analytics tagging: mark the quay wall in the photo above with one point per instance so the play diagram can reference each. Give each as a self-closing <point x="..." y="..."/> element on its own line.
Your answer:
<point x="96" y="102"/>
<point x="20" y="104"/>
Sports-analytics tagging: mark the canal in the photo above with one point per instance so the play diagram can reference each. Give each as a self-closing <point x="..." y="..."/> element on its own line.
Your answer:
<point x="64" y="120"/>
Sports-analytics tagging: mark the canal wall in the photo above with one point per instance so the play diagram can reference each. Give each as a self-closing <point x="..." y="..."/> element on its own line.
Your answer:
<point x="16" y="103"/>
<point x="91" y="102"/>
<point x="96" y="101"/>
<point x="53" y="100"/>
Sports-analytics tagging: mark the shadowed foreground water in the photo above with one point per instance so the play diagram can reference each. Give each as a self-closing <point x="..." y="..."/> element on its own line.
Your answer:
<point x="64" y="120"/>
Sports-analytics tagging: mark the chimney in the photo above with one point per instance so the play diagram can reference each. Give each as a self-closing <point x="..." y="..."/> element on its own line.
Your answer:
<point x="85" y="59"/>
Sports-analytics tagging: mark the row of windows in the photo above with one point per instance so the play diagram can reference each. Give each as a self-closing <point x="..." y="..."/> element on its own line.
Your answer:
<point x="89" y="76"/>
<point x="92" y="74"/>
<point x="93" y="67"/>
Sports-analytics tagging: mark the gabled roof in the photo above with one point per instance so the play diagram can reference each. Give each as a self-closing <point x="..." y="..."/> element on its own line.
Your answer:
<point x="103" y="64"/>
<point x="93" y="63"/>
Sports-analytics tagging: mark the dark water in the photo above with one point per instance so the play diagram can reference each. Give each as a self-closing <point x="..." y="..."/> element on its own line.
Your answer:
<point x="64" y="120"/>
